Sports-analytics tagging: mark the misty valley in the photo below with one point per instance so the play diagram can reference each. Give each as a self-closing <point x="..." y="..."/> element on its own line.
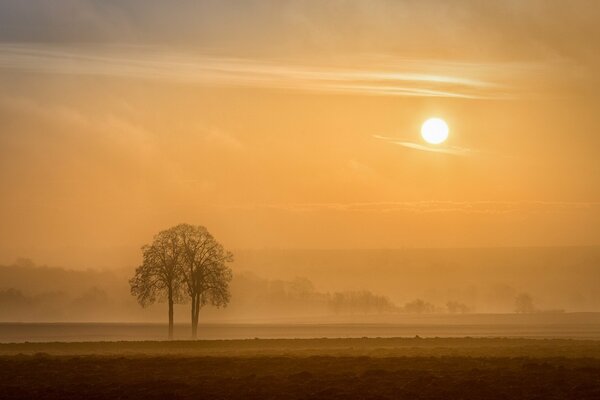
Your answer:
<point x="491" y="326"/>
<point x="335" y="286"/>
<point x="296" y="199"/>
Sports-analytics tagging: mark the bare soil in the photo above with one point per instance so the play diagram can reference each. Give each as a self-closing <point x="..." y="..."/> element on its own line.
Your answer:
<point x="304" y="369"/>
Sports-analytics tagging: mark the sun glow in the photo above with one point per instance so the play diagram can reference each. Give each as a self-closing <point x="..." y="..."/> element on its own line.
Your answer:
<point x="434" y="131"/>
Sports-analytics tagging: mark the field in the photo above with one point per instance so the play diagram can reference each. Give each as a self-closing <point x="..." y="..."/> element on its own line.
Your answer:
<point x="377" y="368"/>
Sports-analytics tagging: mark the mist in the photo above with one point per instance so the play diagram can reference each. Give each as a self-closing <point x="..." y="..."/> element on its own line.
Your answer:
<point x="325" y="286"/>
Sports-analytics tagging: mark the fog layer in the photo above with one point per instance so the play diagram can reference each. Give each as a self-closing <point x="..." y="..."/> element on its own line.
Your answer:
<point x="327" y="286"/>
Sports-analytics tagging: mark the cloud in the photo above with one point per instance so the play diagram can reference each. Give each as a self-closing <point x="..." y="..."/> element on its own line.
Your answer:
<point x="433" y="206"/>
<point x="386" y="77"/>
<point x="452" y="150"/>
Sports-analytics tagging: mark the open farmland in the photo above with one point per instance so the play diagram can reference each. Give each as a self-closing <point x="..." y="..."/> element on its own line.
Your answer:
<point x="303" y="369"/>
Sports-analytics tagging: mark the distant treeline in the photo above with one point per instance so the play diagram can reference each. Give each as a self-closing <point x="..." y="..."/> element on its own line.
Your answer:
<point x="300" y="295"/>
<point x="38" y="293"/>
<point x="32" y="293"/>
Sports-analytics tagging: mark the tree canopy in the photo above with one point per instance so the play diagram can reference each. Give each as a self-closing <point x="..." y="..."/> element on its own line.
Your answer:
<point x="184" y="262"/>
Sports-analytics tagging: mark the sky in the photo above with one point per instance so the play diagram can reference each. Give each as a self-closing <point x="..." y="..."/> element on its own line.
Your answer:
<point x="295" y="124"/>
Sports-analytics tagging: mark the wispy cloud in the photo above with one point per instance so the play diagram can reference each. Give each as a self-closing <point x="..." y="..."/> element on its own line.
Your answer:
<point x="433" y="206"/>
<point x="452" y="150"/>
<point x="395" y="77"/>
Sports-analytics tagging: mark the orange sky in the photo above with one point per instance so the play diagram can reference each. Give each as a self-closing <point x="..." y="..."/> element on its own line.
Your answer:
<point x="259" y="120"/>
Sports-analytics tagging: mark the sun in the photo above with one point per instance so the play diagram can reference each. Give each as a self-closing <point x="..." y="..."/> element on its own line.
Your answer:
<point x="434" y="131"/>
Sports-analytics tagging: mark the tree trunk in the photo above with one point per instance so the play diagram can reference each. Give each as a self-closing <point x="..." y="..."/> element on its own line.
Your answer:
<point x="196" y="312"/>
<point x="170" y="314"/>
<point x="193" y="317"/>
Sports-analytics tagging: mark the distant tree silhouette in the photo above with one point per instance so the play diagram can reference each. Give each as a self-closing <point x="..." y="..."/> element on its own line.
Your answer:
<point x="205" y="273"/>
<point x="419" y="306"/>
<point x="363" y="302"/>
<point x="524" y="304"/>
<point x="454" y="307"/>
<point x="158" y="278"/>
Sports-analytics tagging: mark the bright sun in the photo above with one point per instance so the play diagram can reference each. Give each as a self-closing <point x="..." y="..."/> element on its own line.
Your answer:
<point x="434" y="131"/>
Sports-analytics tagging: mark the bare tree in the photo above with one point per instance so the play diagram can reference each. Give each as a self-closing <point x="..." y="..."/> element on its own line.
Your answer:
<point x="419" y="306"/>
<point x="524" y="304"/>
<point x="158" y="278"/>
<point x="455" y="307"/>
<point x="205" y="271"/>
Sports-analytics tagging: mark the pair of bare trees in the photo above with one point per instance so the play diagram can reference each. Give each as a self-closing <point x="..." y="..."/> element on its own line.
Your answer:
<point x="183" y="263"/>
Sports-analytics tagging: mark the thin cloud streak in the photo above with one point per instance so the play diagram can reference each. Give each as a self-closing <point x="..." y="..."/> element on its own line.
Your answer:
<point x="452" y="150"/>
<point x="398" y="78"/>
<point x="434" y="206"/>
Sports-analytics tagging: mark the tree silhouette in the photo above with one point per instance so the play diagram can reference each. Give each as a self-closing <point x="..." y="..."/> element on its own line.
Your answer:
<point x="183" y="259"/>
<point x="159" y="276"/>
<point x="524" y="304"/>
<point x="419" y="306"/>
<point x="205" y="271"/>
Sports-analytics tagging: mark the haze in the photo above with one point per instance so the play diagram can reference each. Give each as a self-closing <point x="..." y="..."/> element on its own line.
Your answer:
<point x="119" y="118"/>
<point x="392" y="199"/>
